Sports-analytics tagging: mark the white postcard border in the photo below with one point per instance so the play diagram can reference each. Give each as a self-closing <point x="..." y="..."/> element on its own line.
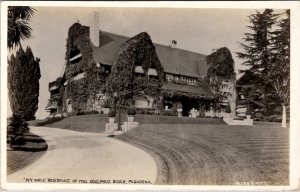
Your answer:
<point x="295" y="92"/>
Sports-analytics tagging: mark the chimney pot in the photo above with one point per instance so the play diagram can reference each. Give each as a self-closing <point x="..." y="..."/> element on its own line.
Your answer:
<point x="173" y="44"/>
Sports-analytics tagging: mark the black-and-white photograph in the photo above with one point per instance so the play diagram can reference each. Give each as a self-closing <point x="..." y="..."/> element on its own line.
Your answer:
<point x="147" y="96"/>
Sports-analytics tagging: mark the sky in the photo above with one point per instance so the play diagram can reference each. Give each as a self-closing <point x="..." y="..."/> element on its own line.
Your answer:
<point x="198" y="30"/>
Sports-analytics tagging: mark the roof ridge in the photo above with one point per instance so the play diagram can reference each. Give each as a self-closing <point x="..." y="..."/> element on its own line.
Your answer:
<point x="111" y="33"/>
<point x="167" y="46"/>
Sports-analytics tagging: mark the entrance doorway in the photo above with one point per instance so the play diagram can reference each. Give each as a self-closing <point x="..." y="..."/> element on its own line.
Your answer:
<point x="188" y="104"/>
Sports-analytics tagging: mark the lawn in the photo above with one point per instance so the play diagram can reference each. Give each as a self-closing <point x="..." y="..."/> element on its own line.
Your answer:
<point x="26" y="154"/>
<point x="217" y="154"/>
<point x="96" y="123"/>
<point x="203" y="151"/>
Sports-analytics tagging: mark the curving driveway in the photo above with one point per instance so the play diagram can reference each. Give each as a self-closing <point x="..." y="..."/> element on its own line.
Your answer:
<point x="87" y="156"/>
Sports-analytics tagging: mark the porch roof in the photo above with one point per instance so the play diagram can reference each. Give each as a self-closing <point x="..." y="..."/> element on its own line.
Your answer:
<point x="201" y="90"/>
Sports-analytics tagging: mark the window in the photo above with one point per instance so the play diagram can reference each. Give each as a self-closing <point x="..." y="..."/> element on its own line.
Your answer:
<point x="75" y="55"/>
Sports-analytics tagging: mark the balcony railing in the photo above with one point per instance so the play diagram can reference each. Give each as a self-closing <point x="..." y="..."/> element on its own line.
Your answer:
<point x="179" y="81"/>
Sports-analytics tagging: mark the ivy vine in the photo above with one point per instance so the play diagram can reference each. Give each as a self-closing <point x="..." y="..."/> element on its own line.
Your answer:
<point x="80" y="91"/>
<point x="137" y="51"/>
<point x="221" y="64"/>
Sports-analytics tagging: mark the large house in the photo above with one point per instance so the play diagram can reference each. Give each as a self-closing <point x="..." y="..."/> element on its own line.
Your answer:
<point x="184" y="72"/>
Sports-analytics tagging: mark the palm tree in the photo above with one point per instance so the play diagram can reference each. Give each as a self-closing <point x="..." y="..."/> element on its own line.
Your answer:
<point x="18" y="27"/>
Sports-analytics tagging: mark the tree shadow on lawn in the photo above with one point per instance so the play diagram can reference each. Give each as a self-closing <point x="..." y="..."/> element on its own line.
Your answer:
<point x="19" y="157"/>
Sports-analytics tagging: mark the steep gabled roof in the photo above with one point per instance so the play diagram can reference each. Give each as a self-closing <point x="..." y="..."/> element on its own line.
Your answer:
<point x="173" y="60"/>
<point x="108" y="51"/>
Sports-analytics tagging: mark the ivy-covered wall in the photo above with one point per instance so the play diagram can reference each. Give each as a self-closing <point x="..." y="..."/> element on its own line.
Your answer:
<point x="221" y="69"/>
<point x="81" y="91"/>
<point x="137" y="51"/>
<point x="221" y="64"/>
<point x="78" y="40"/>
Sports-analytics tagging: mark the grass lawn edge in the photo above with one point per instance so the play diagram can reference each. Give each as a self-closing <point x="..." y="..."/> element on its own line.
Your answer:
<point x="24" y="156"/>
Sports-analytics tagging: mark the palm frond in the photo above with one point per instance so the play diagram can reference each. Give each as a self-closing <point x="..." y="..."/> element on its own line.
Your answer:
<point x="18" y="24"/>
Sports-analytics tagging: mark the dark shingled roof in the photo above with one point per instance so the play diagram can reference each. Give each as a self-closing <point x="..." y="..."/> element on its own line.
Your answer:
<point x="173" y="60"/>
<point x="203" y="89"/>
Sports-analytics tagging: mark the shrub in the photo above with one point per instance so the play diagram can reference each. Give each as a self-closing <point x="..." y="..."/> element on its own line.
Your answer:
<point x="20" y="140"/>
<point x="228" y="110"/>
<point x="258" y="116"/>
<point x="79" y="113"/>
<point x="16" y="129"/>
<point x="248" y="110"/>
<point x="88" y="112"/>
<point x="111" y="113"/>
<point x="169" y="113"/>
<point x="106" y="103"/>
<point x="179" y="106"/>
<point x="148" y="111"/>
<point x="92" y="112"/>
<point x="272" y="118"/>
<point x="131" y="111"/>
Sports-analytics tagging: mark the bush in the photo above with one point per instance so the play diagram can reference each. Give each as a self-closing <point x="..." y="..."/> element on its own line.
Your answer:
<point x="248" y="111"/>
<point x="273" y="118"/>
<point x="131" y="111"/>
<point x="258" y="116"/>
<point x="79" y="113"/>
<point x="92" y="112"/>
<point x="169" y="113"/>
<point x="111" y="113"/>
<point x="19" y="140"/>
<point x="147" y="111"/>
<point x="88" y="112"/>
<point x="16" y="129"/>
<point x="228" y="110"/>
<point x="179" y="106"/>
<point x="106" y="103"/>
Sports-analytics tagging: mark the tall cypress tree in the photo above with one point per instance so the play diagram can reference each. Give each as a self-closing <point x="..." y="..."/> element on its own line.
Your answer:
<point x="257" y="54"/>
<point x="23" y="83"/>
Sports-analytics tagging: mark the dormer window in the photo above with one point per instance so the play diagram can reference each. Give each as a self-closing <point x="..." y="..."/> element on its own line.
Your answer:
<point x="139" y="71"/>
<point x="152" y="73"/>
<point x="76" y="58"/>
<point x="75" y="55"/>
